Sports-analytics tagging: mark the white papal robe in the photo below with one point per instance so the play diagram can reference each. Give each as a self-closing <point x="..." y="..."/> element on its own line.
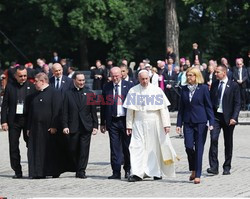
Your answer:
<point x="151" y="150"/>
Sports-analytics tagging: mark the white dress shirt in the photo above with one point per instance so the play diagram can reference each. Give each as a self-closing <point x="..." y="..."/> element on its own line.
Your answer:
<point x="220" y="109"/>
<point x="120" y="109"/>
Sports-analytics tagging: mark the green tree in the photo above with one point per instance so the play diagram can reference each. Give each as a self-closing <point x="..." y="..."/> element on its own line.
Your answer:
<point x="110" y="21"/>
<point x="220" y="27"/>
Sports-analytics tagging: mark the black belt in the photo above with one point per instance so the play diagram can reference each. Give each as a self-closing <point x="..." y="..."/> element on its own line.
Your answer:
<point x="119" y="117"/>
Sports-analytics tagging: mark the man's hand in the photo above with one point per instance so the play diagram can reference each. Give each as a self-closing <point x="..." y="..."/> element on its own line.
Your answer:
<point x="169" y="86"/>
<point x="167" y="129"/>
<point x="109" y="79"/>
<point x="178" y="130"/>
<point x="94" y="132"/>
<point x="28" y="133"/>
<point x="103" y="129"/>
<point x="210" y="128"/>
<point x="5" y="126"/>
<point x="52" y="130"/>
<point x="129" y="131"/>
<point x="66" y="131"/>
<point x="232" y="122"/>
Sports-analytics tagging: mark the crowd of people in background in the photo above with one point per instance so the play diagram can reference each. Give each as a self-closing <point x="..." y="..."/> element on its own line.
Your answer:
<point x="47" y="102"/>
<point x="165" y="73"/>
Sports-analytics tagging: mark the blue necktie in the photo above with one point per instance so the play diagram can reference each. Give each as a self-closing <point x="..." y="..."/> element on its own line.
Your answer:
<point x="114" y="112"/>
<point x="219" y="93"/>
<point x="57" y="83"/>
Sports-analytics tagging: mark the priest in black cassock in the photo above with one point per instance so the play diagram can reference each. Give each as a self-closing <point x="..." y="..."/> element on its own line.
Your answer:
<point x="79" y="123"/>
<point x="43" y="153"/>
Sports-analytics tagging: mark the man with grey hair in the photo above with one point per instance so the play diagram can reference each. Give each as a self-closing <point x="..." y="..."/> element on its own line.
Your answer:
<point x="113" y="119"/>
<point x="43" y="115"/>
<point x="148" y="121"/>
<point x="60" y="81"/>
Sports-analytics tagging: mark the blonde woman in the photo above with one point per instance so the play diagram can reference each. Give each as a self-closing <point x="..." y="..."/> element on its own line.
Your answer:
<point x="194" y="113"/>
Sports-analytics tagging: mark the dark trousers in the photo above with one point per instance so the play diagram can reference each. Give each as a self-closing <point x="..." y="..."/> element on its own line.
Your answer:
<point x="243" y="97"/>
<point x="172" y="97"/>
<point x="194" y="139"/>
<point x="79" y="144"/>
<point x="228" y="143"/>
<point x="119" y="144"/>
<point x="14" y="135"/>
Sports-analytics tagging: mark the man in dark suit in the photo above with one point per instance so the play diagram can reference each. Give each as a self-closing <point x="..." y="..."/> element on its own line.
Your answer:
<point x="99" y="76"/>
<point x="55" y="58"/>
<point x="240" y="76"/>
<point x="125" y="76"/>
<point x="113" y="119"/>
<point x="225" y="97"/>
<point x="170" y="81"/>
<point x="14" y="115"/>
<point x="79" y="121"/>
<point x="60" y="81"/>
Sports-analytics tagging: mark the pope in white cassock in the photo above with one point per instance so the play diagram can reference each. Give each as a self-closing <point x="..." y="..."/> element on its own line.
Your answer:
<point x="148" y="121"/>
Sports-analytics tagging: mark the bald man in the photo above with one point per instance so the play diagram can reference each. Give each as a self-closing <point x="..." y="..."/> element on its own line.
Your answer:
<point x="113" y="119"/>
<point x="60" y="81"/>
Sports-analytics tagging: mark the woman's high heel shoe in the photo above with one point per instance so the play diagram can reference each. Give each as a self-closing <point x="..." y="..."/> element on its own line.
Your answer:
<point x="197" y="181"/>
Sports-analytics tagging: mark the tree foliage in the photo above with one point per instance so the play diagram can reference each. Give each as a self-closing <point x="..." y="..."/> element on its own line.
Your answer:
<point x="134" y="29"/>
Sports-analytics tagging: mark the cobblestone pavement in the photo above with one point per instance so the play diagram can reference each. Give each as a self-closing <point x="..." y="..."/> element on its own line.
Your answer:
<point x="97" y="184"/>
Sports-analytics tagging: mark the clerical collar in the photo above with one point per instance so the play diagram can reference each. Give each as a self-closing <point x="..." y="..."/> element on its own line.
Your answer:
<point x="77" y="88"/>
<point x="44" y="88"/>
<point x="20" y="84"/>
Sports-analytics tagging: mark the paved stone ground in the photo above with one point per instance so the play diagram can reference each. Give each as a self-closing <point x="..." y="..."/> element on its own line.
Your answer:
<point x="97" y="184"/>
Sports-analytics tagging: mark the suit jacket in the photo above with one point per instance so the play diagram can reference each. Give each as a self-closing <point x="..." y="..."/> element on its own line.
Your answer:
<point x="230" y="102"/>
<point x="76" y="111"/>
<point x="98" y="83"/>
<point x="133" y="81"/>
<point x="244" y="76"/>
<point x="199" y="110"/>
<point x="207" y="74"/>
<point x="8" y="111"/>
<point x="170" y="79"/>
<point x="107" y="93"/>
<point x="66" y="83"/>
<point x="229" y="74"/>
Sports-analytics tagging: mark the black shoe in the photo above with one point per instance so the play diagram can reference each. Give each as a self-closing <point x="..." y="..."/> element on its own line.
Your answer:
<point x="127" y="174"/>
<point x="81" y="175"/>
<point x="56" y="176"/>
<point x="134" y="178"/>
<point x="226" y="173"/>
<point x="211" y="171"/>
<point x="115" y="176"/>
<point x="157" y="178"/>
<point x="38" y="177"/>
<point x="17" y="176"/>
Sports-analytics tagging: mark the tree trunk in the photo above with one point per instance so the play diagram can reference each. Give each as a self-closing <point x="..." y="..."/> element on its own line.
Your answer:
<point x="172" y="28"/>
<point x="84" y="64"/>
